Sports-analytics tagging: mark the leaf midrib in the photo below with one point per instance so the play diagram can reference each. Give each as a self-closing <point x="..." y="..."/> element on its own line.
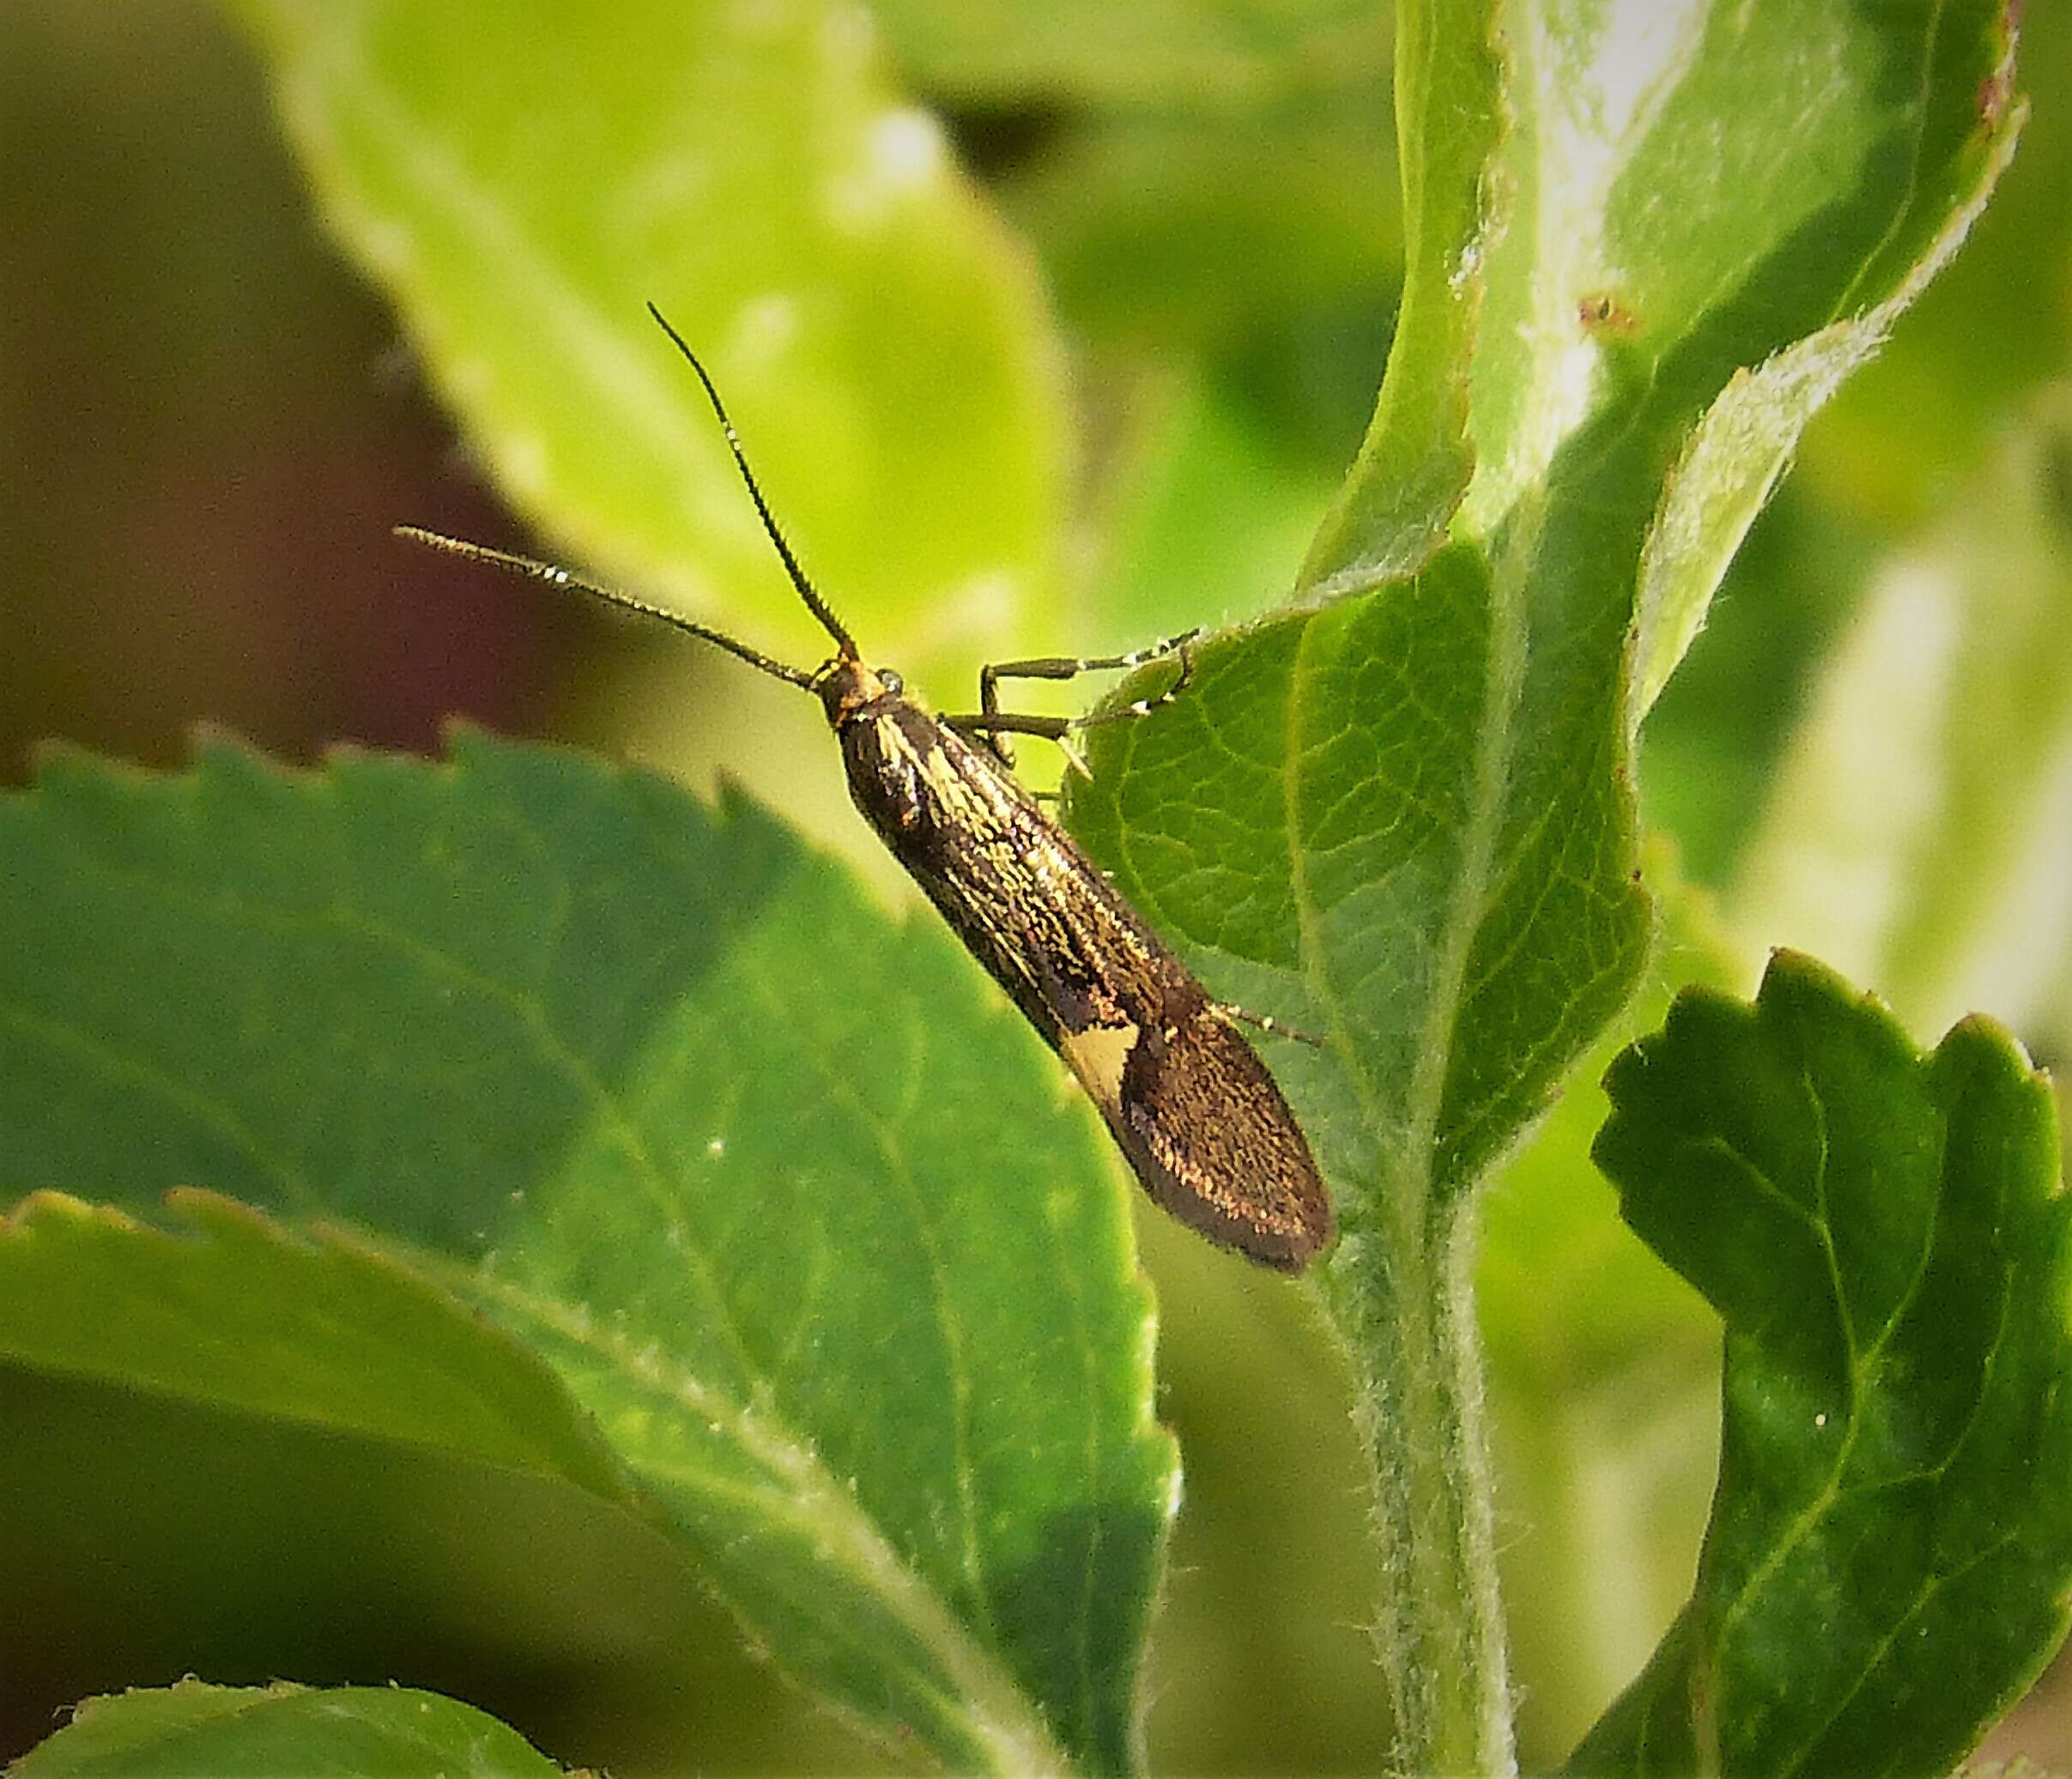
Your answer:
<point x="812" y="1497"/>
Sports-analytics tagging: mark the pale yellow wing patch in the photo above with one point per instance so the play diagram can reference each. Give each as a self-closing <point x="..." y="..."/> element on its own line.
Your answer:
<point x="1098" y="1056"/>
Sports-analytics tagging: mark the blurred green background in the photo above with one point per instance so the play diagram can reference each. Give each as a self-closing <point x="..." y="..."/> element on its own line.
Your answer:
<point x="211" y="421"/>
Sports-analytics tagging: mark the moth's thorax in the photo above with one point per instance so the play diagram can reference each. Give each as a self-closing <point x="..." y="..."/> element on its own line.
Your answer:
<point x="848" y="689"/>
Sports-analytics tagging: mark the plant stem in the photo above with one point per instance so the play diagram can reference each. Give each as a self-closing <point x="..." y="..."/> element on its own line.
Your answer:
<point x="1402" y="1299"/>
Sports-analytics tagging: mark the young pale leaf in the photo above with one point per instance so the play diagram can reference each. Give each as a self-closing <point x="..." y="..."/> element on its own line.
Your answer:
<point x="793" y="1204"/>
<point x="521" y="180"/>
<point x="192" y="1731"/>
<point x="1889" y="1560"/>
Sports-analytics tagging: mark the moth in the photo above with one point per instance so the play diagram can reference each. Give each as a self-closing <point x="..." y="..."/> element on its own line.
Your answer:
<point x="1186" y="1098"/>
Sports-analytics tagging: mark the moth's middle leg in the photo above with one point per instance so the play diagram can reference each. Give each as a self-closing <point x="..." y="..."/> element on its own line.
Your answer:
<point x="1267" y="1022"/>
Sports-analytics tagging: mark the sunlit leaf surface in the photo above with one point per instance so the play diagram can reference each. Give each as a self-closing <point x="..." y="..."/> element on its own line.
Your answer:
<point x="192" y="1731"/>
<point x="796" y="1208"/>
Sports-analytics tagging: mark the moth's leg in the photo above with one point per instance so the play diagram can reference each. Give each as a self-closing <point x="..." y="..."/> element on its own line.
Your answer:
<point x="1266" y="1022"/>
<point x="991" y="723"/>
<point x="988" y="729"/>
<point x="1145" y="706"/>
<point x="982" y="727"/>
<point x="1066" y="667"/>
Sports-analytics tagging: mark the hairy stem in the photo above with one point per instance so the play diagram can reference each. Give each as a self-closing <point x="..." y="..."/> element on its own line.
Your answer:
<point x="1401" y="1297"/>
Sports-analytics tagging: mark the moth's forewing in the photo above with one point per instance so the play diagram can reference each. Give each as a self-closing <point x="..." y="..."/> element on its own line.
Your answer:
<point x="1190" y="1104"/>
<point x="1220" y="1148"/>
<point x="1193" y="1108"/>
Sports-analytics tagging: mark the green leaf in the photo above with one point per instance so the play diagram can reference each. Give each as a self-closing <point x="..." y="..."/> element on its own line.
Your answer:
<point x="794" y="1207"/>
<point x="1450" y="116"/>
<point x="190" y="1731"/>
<point x="235" y="1313"/>
<point x="1918" y="829"/>
<point x="1416" y="836"/>
<point x="522" y="182"/>
<point x="1889" y="1561"/>
<point x="1212" y="55"/>
<point x="1637" y="292"/>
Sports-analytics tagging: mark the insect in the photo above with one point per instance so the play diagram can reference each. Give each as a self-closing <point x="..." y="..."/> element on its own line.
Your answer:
<point x="1187" y="1099"/>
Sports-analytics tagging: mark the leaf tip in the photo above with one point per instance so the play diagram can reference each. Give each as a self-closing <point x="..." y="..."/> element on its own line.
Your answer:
<point x="47" y="1206"/>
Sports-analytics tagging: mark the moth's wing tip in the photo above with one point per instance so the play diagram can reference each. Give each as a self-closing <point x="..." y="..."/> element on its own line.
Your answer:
<point x="1292" y="1260"/>
<point x="1292" y="1252"/>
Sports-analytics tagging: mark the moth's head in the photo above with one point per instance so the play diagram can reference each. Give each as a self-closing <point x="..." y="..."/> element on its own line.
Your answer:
<point x="847" y="688"/>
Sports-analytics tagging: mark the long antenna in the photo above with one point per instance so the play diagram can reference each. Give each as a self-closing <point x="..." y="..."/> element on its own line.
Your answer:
<point x="557" y="577"/>
<point x="807" y="591"/>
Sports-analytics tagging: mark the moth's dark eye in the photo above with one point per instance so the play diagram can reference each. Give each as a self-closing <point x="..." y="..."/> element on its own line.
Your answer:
<point x="892" y="681"/>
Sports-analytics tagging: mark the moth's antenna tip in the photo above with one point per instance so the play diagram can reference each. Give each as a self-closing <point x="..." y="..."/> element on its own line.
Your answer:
<point x="532" y="569"/>
<point x="807" y="591"/>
